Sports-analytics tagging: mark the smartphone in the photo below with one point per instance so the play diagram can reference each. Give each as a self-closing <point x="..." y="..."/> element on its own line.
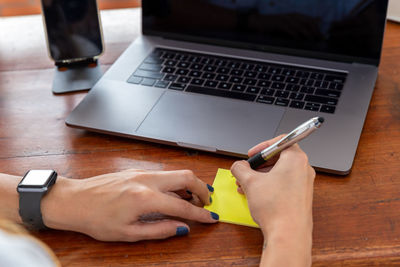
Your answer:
<point x="73" y="30"/>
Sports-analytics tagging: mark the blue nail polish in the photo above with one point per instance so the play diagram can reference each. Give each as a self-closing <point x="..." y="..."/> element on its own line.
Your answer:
<point x="214" y="215"/>
<point x="189" y="192"/>
<point x="181" y="230"/>
<point x="210" y="188"/>
<point x="210" y="200"/>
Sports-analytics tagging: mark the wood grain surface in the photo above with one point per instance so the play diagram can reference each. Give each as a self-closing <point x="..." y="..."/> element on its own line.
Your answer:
<point x="356" y="218"/>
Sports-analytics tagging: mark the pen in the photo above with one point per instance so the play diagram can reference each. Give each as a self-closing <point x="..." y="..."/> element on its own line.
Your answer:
<point x="291" y="138"/>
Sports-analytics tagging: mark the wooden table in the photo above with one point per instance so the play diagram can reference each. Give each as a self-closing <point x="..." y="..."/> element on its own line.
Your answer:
<point x="356" y="218"/>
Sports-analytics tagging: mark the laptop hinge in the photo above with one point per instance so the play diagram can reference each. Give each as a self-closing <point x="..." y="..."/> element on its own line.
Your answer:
<point x="357" y="64"/>
<point x="204" y="148"/>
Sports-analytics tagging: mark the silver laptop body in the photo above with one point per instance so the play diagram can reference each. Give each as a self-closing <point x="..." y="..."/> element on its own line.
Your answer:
<point x="228" y="125"/>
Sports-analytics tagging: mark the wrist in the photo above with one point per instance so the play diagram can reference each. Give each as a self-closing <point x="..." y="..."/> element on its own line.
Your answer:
<point x="298" y="220"/>
<point x="287" y="246"/>
<point x="56" y="203"/>
<point x="291" y="237"/>
<point x="286" y="227"/>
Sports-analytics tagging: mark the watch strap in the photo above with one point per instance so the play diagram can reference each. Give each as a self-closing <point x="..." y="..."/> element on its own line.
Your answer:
<point x="29" y="210"/>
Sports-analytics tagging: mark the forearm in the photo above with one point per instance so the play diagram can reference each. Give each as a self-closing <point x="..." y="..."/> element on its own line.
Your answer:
<point x="288" y="246"/>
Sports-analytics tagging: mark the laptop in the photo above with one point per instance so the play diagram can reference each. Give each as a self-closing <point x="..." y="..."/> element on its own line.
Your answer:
<point x="394" y="10"/>
<point x="224" y="75"/>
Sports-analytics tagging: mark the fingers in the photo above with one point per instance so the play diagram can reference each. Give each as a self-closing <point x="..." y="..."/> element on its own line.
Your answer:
<point x="293" y="155"/>
<point x="239" y="189"/>
<point x="242" y="171"/>
<point x="156" y="230"/>
<point x="185" y="194"/>
<point x="262" y="146"/>
<point x="294" y="159"/>
<point x="195" y="200"/>
<point x="184" y="180"/>
<point x="134" y="170"/>
<point x="180" y="208"/>
<point x="254" y="150"/>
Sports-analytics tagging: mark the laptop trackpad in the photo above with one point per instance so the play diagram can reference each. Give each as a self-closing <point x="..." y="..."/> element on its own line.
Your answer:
<point x="211" y="123"/>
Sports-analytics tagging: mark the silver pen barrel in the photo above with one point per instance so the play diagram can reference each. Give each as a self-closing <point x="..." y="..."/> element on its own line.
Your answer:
<point x="293" y="137"/>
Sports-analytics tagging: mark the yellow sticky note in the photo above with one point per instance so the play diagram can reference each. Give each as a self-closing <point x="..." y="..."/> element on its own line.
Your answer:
<point x="231" y="206"/>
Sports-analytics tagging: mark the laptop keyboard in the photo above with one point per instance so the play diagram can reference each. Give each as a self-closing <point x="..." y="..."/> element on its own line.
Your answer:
<point x="271" y="84"/>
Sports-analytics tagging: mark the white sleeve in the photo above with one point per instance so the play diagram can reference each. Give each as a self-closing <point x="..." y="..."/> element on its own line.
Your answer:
<point x="22" y="251"/>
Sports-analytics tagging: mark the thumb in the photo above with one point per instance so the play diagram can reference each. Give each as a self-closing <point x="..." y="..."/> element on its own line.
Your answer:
<point x="156" y="230"/>
<point x="242" y="171"/>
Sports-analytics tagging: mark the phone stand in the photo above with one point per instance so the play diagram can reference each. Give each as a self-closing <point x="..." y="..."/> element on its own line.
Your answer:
<point x="76" y="76"/>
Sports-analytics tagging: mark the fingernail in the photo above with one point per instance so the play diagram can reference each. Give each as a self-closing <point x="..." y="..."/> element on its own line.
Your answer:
<point x="189" y="192"/>
<point x="210" y="188"/>
<point x="214" y="215"/>
<point x="182" y="230"/>
<point x="210" y="200"/>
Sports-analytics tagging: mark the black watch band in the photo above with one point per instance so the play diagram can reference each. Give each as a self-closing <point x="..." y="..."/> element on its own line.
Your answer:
<point x="29" y="210"/>
<point x="31" y="189"/>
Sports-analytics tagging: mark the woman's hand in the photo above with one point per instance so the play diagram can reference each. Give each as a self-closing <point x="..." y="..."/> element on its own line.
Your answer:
<point x="131" y="205"/>
<point x="280" y="201"/>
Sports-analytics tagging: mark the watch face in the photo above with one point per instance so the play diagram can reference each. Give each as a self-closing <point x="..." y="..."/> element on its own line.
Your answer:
<point x="37" y="178"/>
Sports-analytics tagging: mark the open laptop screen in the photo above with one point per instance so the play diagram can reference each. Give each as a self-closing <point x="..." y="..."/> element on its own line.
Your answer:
<point x="344" y="30"/>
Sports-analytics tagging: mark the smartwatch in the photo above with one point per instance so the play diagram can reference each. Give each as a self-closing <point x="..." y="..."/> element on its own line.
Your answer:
<point x="31" y="189"/>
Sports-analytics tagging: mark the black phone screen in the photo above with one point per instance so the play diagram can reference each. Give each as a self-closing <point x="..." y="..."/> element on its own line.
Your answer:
<point x="73" y="29"/>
